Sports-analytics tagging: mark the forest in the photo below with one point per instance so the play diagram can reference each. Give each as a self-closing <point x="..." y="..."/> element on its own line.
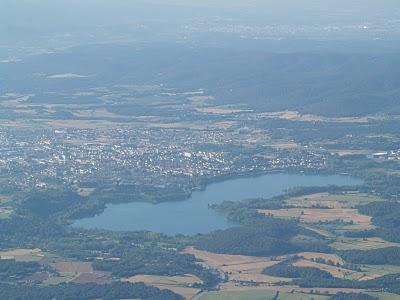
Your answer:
<point x="383" y="256"/>
<point x="266" y="237"/>
<point x="230" y="75"/>
<point x="86" y="291"/>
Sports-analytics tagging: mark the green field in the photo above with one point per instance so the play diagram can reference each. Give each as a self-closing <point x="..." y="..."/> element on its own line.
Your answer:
<point x="380" y="270"/>
<point x="353" y="200"/>
<point x="5" y="212"/>
<point x="385" y="296"/>
<point x="344" y="243"/>
<point x="267" y="295"/>
<point x="54" y="280"/>
<point x="5" y="198"/>
<point x="259" y="295"/>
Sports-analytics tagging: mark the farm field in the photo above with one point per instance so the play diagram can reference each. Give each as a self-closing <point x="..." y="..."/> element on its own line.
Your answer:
<point x="224" y="260"/>
<point x="54" y="280"/>
<point x="346" y="200"/>
<point x="23" y="254"/>
<point x="345" y="243"/>
<point x="239" y="268"/>
<point x="315" y="215"/>
<point x="5" y="212"/>
<point x="297" y="116"/>
<point x="73" y="267"/>
<point x="324" y="213"/>
<point x="182" y="285"/>
<point x="269" y="294"/>
<point x="384" y="296"/>
<point x="5" y="198"/>
<point x="338" y="210"/>
<point x="220" y="110"/>
<point x="259" y="295"/>
<point x="379" y="270"/>
<point x="335" y="259"/>
<point x="62" y="271"/>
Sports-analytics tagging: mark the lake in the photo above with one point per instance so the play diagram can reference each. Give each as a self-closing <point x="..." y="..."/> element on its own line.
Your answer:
<point x="193" y="215"/>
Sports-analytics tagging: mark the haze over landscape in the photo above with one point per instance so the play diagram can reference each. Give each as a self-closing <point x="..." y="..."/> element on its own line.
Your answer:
<point x="204" y="150"/>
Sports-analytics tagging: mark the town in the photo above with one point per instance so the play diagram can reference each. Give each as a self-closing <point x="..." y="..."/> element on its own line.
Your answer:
<point x="166" y="158"/>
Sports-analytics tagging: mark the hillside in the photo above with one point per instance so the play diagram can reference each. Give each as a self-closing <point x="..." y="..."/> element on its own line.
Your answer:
<point x="330" y="84"/>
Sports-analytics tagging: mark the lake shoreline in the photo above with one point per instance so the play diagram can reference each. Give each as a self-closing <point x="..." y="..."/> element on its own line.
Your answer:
<point x="194" y="215"/>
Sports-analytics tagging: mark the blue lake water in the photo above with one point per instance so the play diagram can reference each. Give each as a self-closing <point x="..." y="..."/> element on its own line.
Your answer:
<point x="193" y="215"/>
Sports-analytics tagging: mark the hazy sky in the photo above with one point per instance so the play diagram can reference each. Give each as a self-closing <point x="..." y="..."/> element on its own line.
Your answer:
<point x="36" y="22"/>
<point x="56" y="13"/>
<point x="114" y="11"/>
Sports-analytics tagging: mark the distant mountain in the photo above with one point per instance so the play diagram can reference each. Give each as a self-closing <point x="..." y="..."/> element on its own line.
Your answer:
<point x="324" y="83"/>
